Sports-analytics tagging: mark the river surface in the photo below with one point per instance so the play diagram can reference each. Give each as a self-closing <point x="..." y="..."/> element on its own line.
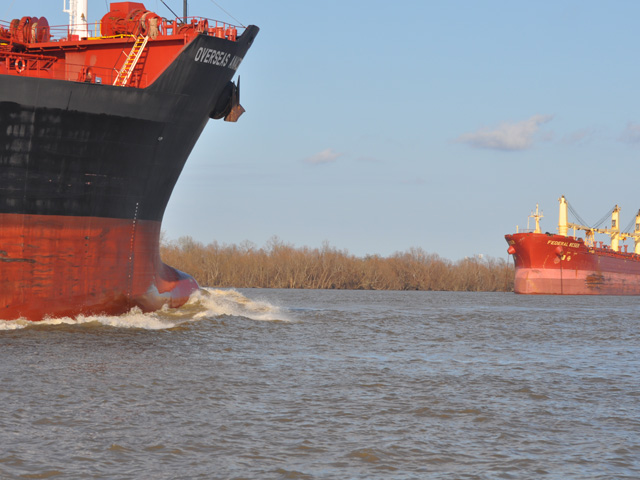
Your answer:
<point x="308" y="384"/>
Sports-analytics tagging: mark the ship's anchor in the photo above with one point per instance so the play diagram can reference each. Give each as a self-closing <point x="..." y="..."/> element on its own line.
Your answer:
<point x="228" y="104"/>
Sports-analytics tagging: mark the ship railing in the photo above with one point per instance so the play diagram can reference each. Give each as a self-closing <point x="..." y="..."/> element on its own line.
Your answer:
<point x="208" y="26"/>
<point x="60" y="33"/>
<point x="178" y="26"/>
<point x="5" y="34"/>
<point x="63" y="32"/>
<point x="24" y="64"/>
<point x="42" y="66"/>
<point x="605" y="250"/>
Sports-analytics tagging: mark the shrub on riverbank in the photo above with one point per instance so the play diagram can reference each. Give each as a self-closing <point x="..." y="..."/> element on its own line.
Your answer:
<point x="280" y="265"/>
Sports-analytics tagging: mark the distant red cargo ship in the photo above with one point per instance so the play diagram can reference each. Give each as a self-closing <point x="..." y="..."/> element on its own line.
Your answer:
<point x="95" y="128"/>
<point x="559" y="264"/>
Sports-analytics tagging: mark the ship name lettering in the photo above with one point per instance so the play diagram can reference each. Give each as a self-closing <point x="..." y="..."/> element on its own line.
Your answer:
<point x="235" y="62"/>
<point x="214" y="57"/>
<point x="556" y="242"/>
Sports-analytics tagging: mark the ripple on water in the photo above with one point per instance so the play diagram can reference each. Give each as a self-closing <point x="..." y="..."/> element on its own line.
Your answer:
<point x="327" y="385"/>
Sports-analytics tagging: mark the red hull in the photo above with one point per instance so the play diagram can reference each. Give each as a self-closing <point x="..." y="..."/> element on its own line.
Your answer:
<point x="64" y="266"/>
<point x="557" y="265"/>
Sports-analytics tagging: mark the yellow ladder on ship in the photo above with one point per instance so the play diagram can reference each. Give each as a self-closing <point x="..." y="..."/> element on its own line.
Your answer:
<point x="132" y="60"/>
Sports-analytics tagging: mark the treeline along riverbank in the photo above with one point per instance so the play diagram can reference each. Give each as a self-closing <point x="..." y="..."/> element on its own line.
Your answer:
<point x="279" y="265"/>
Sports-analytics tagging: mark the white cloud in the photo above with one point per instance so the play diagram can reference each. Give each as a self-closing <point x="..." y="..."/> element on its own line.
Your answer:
<point x="507" y="136"/>
<point x="327" y="155"/>
<point x="631" y="134"/>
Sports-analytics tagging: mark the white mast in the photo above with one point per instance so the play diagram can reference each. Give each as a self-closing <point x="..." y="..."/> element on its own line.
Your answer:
<point x="615" y="229"/>
<point x="563" y="217"/>
<point x="636" y="236"/>
<point x="537" y="215"/>
<point x="77" y="17"/>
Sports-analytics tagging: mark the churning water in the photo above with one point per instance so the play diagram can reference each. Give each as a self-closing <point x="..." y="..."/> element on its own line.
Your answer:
<point x="306" y="384"/>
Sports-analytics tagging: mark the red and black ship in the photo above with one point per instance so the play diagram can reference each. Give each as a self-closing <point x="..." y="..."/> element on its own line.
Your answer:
<point x="95" y="128"/>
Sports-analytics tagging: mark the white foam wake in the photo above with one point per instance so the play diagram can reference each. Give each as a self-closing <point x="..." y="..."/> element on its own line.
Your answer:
<point x="132" y="319"/>
<point x="215" y="303"/>
<point x="204" y="304"/>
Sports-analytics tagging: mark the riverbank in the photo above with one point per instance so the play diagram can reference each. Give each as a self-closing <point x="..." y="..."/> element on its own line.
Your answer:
<point x="280" y="265"/>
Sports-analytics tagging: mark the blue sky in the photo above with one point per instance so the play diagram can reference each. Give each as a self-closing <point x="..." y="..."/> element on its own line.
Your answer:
<point x="381" y="126"/>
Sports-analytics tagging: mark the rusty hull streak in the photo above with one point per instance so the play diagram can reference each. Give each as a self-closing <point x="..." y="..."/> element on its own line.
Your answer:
<point x="595" y="280"/>
<point x="4" y="258"/>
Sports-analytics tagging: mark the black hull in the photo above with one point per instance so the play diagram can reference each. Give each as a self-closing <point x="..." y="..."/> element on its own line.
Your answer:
<point x="90" y="150"/>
